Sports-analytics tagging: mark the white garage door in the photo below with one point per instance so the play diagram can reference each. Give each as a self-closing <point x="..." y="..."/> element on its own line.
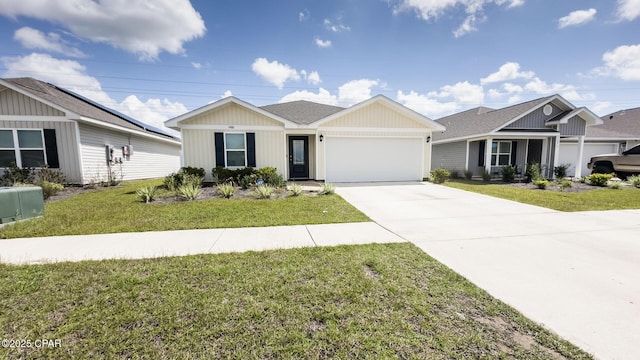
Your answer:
<point x="354" y="159"/>
<point x="569" y="154"/>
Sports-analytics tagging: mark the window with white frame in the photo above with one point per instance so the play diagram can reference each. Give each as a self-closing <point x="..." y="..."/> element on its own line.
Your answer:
<point x="25" y="148"/>
<point x="235" y="149"/>
<point x="501" y="153"/>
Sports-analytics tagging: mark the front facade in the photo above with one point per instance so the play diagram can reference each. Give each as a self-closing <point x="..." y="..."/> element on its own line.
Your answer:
<point x="376" y="140"/>
<point x="42" y="125"/>
<point x="531" y="132"/>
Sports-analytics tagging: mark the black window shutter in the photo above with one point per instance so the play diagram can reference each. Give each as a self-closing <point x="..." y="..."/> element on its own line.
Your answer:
<point x="514" y="152"/>
<point x="219" y="144"/>
<point x="251" y="149"/>
<point x="51" y="148"/>
<point x="481" y="154"/>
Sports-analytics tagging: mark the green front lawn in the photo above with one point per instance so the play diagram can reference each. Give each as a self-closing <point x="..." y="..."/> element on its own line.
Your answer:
<point x="596" y="199"/>
<point x="347" y="302"/>
<point x="119" y="210"/>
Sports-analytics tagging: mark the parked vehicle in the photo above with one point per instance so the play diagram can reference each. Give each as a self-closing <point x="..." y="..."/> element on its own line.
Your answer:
<point x="622" y="164"/>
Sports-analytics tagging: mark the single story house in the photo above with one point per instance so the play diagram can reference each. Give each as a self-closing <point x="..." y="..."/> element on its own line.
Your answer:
<point x="45" y="125"/>
<point x="530" y="132"/>
<point x="375" y="140"/>
<point x="619" y="131"/>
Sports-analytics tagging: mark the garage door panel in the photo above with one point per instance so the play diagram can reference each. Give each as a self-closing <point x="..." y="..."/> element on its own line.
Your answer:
<point x="569" y="154"/>
<point x="351" y="159"/>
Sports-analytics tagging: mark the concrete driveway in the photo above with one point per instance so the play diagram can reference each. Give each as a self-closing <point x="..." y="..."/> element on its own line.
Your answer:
<point x="578" y="274"/>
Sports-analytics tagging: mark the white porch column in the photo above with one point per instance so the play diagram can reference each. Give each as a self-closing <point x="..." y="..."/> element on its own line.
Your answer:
<point x="466" y="158"/>
<point x="556" y="155"/>
<point x="580" y="160"/>
<point x="487" y="155"/>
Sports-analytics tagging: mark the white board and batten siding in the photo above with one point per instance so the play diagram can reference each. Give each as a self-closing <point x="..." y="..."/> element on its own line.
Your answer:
<point x="150" y="159"/>
<point x="198" y="137"/>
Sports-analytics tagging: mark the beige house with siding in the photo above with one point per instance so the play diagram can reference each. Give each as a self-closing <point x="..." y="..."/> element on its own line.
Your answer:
<point x="42" y="124"/>
<point x="375" y="140"/>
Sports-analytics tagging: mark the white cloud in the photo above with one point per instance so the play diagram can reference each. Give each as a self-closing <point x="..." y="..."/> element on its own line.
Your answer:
<point x="462" y="92"/>
<point x="34" y="39"/>
<point x="426" y="105"/>
<point x="602" y="107"/>
<point x="355" y="91"/>
<point x="577" y="17"/>
<point x="304" y="15"/>
<point x="226" y="94"/>
<point x="140" y="27"/>
<point x="322" y="43"/>
<point x="196" y="65"/>
<point x="429" y="10"/>
<point x="274" y="72"/>
<point x="323" y="96"/>
<point x="541" y="87"/>
<point x="71" y="75"/>
<point x="622" y="62"/>
<point x="313" y="78"/>
<point x="508" y="71"/>
<point x="628" y="10"/>
<point x="335" y="27"/>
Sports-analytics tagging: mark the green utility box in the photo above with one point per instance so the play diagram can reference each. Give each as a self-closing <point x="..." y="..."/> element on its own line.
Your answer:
<point x="18" y="203"/>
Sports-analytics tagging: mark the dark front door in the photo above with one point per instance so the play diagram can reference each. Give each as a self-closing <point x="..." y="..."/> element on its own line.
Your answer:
<point x="299" y="157"/>
<point x="534" y="152"/>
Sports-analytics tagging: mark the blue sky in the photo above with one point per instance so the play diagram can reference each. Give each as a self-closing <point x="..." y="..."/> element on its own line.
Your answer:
<point x="157" y="59"/>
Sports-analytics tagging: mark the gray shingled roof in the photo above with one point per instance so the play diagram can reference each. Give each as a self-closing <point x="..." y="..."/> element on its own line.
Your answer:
<point x="623" y="124"/>
<point x="302" y="112"/>
<point x="82" y="106"/>
<point x="482" y="120"/>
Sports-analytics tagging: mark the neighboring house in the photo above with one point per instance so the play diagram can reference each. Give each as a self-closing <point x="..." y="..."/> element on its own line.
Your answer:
<point x="619" y="131"/>
<point x="530" y="132"/>
<point x="375" y="140"/>
<point x="44" y="125"/>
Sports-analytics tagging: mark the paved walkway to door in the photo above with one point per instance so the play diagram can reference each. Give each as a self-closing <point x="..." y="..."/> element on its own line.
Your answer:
<point x="578" y="274"/>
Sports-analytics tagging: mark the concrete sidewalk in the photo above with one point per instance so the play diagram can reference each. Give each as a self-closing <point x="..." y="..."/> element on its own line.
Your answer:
<point x="188" y="242"/>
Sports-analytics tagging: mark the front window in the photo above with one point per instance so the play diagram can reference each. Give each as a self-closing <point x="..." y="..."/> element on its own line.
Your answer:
<point x="235" y="149"/>
<point x="501" y="153"/>
<point x="25" y="148"/>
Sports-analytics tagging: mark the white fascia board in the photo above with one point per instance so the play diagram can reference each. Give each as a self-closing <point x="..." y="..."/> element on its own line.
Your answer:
<point x="431" y="124"/>
<point x="35" y="118"/>
<point x="175" y="122"/>
<point x="105" y="125"/>
<point x="11" y="86"/>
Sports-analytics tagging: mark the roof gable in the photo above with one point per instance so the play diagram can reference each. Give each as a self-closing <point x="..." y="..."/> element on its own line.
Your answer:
<point x="302" y="112"/>
<point x="176" y="121"/>
<point x="78" y="107"/>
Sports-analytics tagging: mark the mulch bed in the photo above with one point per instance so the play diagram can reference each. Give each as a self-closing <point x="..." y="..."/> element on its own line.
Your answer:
<point x="576" y="187"/>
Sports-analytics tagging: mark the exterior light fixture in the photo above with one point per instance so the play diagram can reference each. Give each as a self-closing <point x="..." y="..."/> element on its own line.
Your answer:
<point x="428" y="138"/>
<point x="321" y="137"/>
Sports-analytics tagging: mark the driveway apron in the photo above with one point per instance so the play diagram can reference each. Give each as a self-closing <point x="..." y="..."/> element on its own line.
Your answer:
<point x="578" y="274"/>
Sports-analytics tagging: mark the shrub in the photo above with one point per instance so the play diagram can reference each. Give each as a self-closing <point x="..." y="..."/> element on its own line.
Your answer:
<point x="172" y="181"/>
<point x="455" y="174"/>
<point x="266" y="171"/>
<point x="486" y="175"/>
<point x="264" y="191"/>
<point x="599" y="179"/>
<point x="327" y="189"/>
<point x="560" y="171"/>
<point x="147" y="194"/>
<point x="438" y="176"/>
<point x="13" y="174"/>
<point x="615" y="183"/>
<point x="189" y="191"/>
<point x="50" y="175"/>
<point x="247" y="181"/>
<point x="533" y="172"/>
<point x="224" y="175"/>
<point x="508" y="173"/>
<point x="50" y="188"/>
<point x="541" y="183"/>
<point x="274" y="179"/>
<point x="564" y="184"/>
<point x="295" y="189"/>
<point x="468" y="174"/>
<point x="634" y="181"/>
<point x="194" y="171"/>
<point x="190" y="179"/>
<point x="227" y="190"/>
